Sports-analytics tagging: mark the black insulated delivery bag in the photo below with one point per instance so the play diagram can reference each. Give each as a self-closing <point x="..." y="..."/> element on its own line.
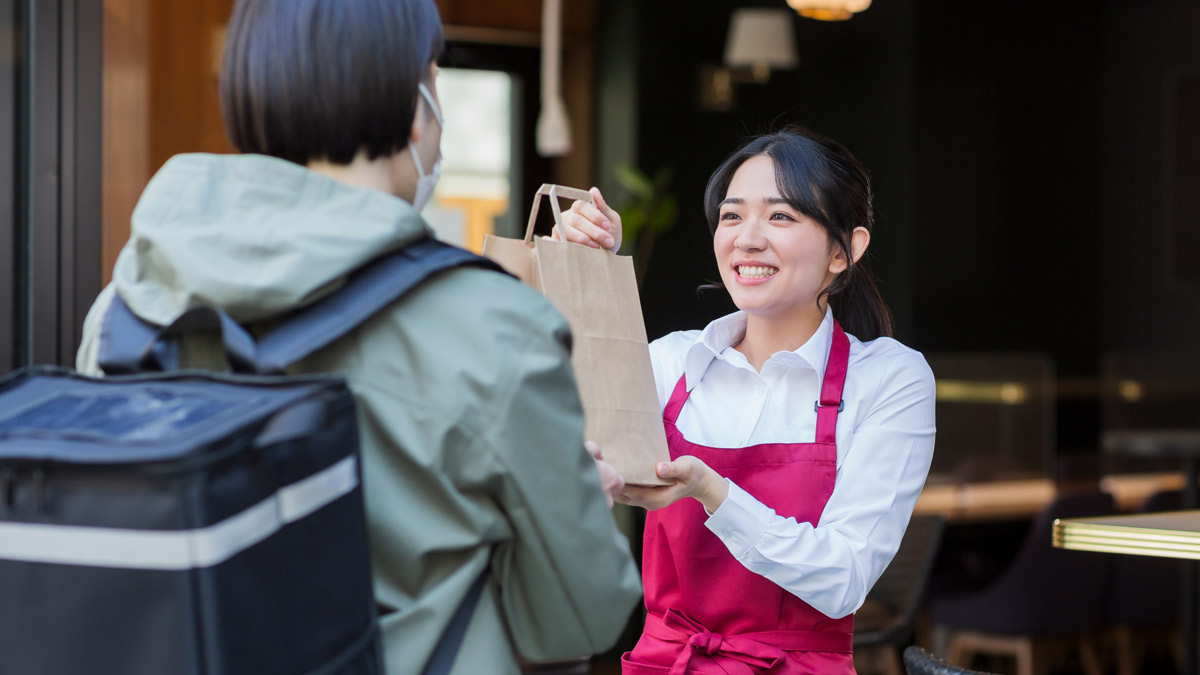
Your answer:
<point x="182" y="524"/>
<point x="185" y="523"/>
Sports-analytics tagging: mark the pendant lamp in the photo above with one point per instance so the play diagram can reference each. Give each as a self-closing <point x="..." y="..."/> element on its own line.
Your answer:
<point x="553" y="128"/>
<point x="829" y="10"/>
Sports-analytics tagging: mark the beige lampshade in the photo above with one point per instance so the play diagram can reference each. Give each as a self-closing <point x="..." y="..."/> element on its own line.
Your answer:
<point x="829" y="10"/>
<point x="761" y="39"/>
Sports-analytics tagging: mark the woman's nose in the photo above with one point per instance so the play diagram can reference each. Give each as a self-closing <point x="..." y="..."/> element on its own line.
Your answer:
<point x="750" y="237"/>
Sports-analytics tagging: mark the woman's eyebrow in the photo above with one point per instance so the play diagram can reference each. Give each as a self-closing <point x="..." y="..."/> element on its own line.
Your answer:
<point x="768" y="200"/>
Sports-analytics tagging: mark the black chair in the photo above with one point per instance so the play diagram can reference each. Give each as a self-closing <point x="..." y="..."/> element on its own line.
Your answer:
<point x="1144" y="601"/>
<point x="1047" y="600"/>
<point x="917" y="661"/>
<point x="887" y="617"/>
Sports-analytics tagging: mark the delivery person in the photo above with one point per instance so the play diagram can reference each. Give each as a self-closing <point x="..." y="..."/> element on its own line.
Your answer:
<point x="472" y="432"/>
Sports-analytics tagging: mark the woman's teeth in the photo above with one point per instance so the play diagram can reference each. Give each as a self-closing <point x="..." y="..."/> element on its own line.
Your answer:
<point x="756" y="272"/>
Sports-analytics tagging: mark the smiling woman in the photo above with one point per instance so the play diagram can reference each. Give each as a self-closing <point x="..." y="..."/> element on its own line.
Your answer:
<point x="798" y="448"/>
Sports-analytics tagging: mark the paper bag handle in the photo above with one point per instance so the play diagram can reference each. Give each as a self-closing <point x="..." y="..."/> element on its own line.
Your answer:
<point x="556" y="192"/>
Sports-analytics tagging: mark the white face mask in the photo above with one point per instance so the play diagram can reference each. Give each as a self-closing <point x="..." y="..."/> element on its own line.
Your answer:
<point x="426" y="181"/>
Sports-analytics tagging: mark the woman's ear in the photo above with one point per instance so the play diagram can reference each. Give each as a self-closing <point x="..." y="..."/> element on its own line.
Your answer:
<point x="860" y="239"/>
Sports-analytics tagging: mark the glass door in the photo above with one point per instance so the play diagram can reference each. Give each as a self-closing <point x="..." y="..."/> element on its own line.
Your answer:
<point x="473" y="197"/>
<point x="9" y="110"/>
<point x="49" y="176"/>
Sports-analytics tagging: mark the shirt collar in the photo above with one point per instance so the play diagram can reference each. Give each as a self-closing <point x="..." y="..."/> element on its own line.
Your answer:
<point x="724" y="332"/>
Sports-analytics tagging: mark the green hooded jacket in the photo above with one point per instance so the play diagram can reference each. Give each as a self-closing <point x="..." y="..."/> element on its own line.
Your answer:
<point x="470" y="419"/>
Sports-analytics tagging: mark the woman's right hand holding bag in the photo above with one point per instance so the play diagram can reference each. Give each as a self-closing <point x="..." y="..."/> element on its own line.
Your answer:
<point x="597" y="226"/>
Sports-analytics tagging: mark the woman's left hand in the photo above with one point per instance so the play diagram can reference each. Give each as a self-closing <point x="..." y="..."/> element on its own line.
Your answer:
<point x="691" y="478"/>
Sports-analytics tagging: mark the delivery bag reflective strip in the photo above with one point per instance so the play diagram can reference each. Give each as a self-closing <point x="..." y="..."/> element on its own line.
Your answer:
<point x="180" y="549"/>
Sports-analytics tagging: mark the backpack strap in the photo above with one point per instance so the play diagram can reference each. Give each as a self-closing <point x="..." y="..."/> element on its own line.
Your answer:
<point x="129" y="344"/>
<point x="364" y="295"/>
<point x="451" y="640"/>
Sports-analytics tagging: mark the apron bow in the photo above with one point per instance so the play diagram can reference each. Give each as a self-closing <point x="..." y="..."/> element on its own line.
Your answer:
<point x="737" y="655"/>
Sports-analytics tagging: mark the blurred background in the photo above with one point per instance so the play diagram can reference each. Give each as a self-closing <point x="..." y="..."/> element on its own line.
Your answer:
<point x="1036" y="166"/>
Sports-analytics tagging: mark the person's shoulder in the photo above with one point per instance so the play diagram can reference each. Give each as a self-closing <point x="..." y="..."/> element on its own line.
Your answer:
<point x="674" y="347"/>
<point x="889" y="356"/>
<point x="488" y="301"/>
<point x="677" y="342"/>
<point x="472" y="330"/>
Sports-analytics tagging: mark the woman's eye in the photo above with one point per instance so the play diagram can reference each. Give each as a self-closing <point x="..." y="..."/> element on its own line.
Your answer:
<point x="729" y="215"/>
<point x="781" y="216"/>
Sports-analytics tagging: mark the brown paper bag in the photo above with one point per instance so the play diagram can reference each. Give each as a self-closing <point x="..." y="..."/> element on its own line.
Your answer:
<point x="597" y="293"/>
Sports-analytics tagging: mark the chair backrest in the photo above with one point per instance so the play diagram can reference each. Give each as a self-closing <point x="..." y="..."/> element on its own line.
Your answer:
<point x="995" y="414"/>
<point x="902" y="585"/>
<point x="1046" y="589"/>
<point x="917" y="661"/>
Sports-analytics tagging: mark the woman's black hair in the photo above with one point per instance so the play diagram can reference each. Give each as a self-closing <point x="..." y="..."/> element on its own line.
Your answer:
<point x="324" y="79"/>
<point x="821" y="179"/>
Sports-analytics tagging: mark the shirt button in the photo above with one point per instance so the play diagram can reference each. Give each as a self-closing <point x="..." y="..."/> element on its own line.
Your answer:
<point x="762" y="387"/>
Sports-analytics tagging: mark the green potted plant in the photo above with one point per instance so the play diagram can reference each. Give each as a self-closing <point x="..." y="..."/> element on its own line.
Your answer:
<point x="649" y="212"/>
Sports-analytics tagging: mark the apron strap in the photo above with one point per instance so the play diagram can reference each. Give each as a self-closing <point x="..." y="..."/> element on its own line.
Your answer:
<point x="675" y="403"/>
<point x="831" y="388"/>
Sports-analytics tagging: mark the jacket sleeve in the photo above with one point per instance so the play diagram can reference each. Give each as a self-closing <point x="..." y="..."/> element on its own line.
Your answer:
<point x="567" y="582"/>
<point x="87" y="359"/>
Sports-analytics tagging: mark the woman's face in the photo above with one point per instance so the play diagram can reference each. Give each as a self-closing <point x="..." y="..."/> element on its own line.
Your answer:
<point x="774" y="260"/>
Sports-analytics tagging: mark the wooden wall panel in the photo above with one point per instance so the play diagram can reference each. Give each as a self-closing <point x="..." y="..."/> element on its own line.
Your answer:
<point x="125" y="143"/>
<point x="160" y="88"/>
<point x="184" y="114"/>
<point x="517" y="15"/>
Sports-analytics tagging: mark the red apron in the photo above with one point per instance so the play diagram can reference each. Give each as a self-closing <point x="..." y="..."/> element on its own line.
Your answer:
<point x="707" y="613"/>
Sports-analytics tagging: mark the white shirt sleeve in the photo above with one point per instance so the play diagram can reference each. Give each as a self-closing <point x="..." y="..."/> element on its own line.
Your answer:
<point x="833" y="565"/>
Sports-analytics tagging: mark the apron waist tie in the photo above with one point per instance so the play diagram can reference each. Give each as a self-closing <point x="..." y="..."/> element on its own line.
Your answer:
<point x="743" y="653"/>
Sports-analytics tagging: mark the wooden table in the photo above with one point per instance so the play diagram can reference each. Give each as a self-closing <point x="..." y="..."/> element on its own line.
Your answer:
<point x="1166" y="535"/>
<point x="1184" y="445"/>
<point x="1021" y="499"/>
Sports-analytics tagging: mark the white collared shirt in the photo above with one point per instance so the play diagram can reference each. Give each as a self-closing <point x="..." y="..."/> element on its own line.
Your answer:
<point x="884" y="447"/>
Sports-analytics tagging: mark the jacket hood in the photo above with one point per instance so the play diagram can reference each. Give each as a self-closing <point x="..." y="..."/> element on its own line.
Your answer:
<point x="255" y="235"/>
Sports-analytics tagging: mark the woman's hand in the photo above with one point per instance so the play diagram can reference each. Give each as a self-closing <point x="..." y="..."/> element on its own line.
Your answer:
<point x="597" y="226"/>
<point x="692" y="478"/>
<point x="610" y="480"/>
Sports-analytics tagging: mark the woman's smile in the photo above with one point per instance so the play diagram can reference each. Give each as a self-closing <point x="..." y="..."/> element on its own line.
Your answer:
<point x="752" y="273"/>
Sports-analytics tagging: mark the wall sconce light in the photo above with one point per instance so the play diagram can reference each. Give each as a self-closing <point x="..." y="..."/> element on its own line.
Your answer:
<point x="758" y="40"/>
<point x="829" y="10"/>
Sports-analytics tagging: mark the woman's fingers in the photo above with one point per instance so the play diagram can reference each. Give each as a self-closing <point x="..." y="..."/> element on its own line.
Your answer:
<point x="595" y="225"/>
<point x="593" y="449"/>
<point x="610" y="481"/>
<point x="650" y="498"/>
<point x="589" y="226"/>
<point x="614" y="218"/>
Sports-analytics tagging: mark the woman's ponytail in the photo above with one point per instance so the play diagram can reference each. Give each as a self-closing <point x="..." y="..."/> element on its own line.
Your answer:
<point x="857" y="304"/>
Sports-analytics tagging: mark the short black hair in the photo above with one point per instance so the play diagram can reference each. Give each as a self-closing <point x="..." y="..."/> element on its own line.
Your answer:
<point x="324" y="79"/>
